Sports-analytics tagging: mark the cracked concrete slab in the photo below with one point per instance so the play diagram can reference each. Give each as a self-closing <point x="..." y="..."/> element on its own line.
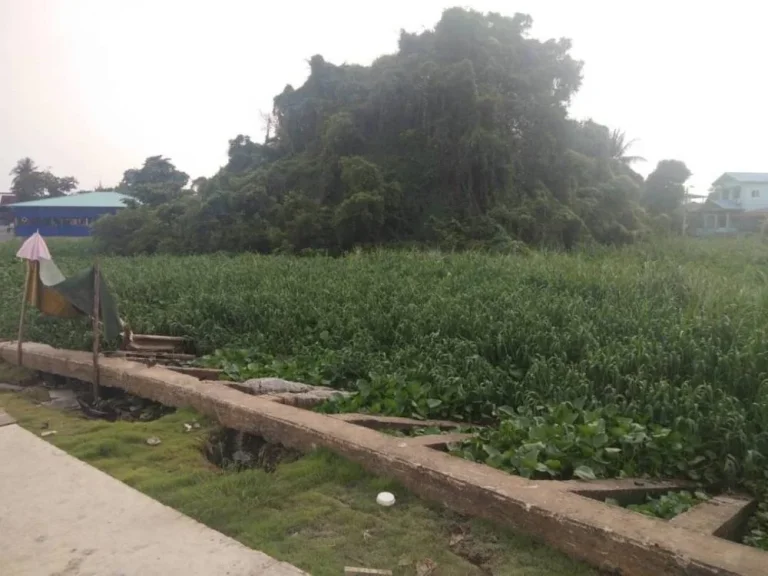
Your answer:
<point x="59" y="515"/>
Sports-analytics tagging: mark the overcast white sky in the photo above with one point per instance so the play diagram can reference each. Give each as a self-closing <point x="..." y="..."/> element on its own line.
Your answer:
<point x="90" y="88"/>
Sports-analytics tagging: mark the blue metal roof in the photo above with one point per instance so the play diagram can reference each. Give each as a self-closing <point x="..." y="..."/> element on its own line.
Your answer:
<point x="80" y="200"/>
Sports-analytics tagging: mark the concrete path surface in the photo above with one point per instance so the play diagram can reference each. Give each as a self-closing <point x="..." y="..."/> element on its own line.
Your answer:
<point x="62" y="517"/>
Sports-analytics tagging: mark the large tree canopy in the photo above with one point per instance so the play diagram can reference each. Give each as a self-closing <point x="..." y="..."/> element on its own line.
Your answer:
<point x="459" y="139"/>
<point x="665" y="187"/>
<point x="31" y="183"/>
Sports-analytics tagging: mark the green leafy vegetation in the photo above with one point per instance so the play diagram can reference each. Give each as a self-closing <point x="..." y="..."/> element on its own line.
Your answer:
<point x="757" y="527"/>
<point x="318" y="512"/>
<point x="646" y="360"/>
<point x="461" y="139"/>
<point x="567" y="441"/>
<point x="670" y="504"/>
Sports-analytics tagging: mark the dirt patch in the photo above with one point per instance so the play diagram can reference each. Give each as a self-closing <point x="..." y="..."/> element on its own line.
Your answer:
<point x="481" y="553"/>
<point x="113" y="404"/>
<point x="113" y="407"/>
<point x="235" y="450"/>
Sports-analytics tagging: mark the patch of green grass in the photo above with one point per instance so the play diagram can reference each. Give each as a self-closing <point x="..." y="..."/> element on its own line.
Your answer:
<point x="318" y="513"/>
<point x="11" y="374"/>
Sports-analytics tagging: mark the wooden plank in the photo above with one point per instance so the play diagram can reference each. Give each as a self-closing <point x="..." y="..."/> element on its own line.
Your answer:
<point x="610" y="537"/>
<point x="149" y="354"/>
<point x="29" y="268"/>
<point x="95" y="317"/>
<point x="155" y="342"/>
<point x="723" y="516"/>
<point x="160" y="338"/>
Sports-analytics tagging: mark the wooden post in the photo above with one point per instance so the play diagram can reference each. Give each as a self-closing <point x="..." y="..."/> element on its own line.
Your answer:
<point x="28" y="273"/>
<point x="96" y="328"/>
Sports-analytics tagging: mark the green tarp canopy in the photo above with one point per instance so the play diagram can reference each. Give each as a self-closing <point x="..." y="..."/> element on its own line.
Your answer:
<point x="54" y="295"/>
<point x="79" y="291"/>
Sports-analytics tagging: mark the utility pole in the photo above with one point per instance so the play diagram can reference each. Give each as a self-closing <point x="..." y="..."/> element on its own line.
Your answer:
<point x="685" y="209"/>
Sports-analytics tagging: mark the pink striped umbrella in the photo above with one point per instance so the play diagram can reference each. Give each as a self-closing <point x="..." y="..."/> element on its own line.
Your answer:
<point x="34" y="248"/>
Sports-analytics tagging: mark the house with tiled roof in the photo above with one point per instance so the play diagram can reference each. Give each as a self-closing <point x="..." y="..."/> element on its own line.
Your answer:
<point x="737" y="203"/>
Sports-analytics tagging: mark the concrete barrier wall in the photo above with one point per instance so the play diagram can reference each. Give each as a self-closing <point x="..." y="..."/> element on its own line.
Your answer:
<point x="608" y="537"/>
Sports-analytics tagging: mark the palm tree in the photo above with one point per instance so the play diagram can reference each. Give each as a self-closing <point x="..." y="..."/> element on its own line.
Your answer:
<point x="619" y="146"/>
<point x="23" y="167"/>
<point x="27" y="181"/>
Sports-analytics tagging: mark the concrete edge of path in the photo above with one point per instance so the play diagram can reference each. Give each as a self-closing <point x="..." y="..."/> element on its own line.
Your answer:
<point x="59" y="515"/>
<point x="6" y="419"/>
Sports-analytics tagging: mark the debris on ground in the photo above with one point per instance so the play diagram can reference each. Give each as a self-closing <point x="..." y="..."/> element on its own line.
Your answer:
<point x="153" y="441"/>
<point x="37" y="394"/>
<point x="385" y="499"/>
<point x="232" y="449"/>
<point x="350" y="571"/>
<point x="47" y="433"/>
<point x="10" y="387"/>
<point x="123" y="406"/>
<point x="62" y="399"/>
<point x="426" y="567"/>
<point x="481" y="552"/>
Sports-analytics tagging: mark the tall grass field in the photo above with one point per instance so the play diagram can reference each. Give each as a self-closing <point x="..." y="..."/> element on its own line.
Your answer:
<point x="647" y="360"/>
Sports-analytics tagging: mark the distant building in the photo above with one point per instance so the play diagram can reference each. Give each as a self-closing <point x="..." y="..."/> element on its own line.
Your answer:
<point x="6" y="216"/>
<point x="738" y="203"/>
<point x="65" y="215"/>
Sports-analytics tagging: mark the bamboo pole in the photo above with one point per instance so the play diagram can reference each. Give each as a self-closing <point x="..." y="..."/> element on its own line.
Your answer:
<point x="96" y="328"/>
<point x="19" y="352"/>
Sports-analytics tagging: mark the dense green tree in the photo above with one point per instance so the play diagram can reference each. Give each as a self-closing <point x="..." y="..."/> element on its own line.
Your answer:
<point x="156" y="182"/>
<point x="58" y="186"/>
<point x="30" y="183"/>
<point x="665" y="187"/>
<point x="461" y="139"/>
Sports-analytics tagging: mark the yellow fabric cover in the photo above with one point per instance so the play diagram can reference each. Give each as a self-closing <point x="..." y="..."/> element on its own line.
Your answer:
<point x="40" y="276"/>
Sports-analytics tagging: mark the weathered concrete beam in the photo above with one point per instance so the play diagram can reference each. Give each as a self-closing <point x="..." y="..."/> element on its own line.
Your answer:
<point x="723" y="516"/>
<point x="605" y="536"/>
<point x="195" y="372"/>
<point x="394" y="422"/>
<point x="625" y="490"/>
<point x="436" y="441"/>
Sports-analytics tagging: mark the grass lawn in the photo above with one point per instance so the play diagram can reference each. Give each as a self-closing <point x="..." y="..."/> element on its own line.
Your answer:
<point x="317" y="513"/>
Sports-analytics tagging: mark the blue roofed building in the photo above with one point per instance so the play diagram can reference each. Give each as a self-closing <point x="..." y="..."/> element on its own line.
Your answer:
<point x="70" y="215"/>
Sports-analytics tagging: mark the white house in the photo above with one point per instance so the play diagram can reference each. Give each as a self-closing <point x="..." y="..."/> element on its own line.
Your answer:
<point x="738" y="202"/>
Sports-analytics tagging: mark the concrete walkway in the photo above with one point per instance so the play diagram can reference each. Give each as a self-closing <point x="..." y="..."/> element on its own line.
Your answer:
<point x="62" y="517"/>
